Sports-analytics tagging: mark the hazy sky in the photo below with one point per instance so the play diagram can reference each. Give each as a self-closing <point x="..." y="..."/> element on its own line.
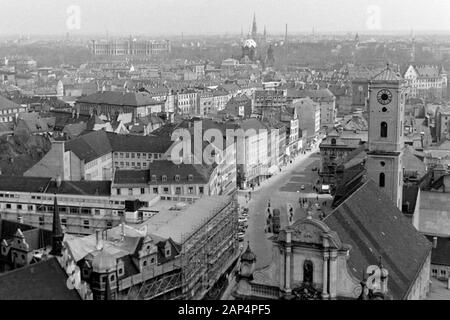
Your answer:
<point x="220" y="16"/>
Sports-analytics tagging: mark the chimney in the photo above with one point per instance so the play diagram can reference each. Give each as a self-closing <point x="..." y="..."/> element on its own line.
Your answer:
<point x="435" y="242"/>
<point x="99" y="244"/>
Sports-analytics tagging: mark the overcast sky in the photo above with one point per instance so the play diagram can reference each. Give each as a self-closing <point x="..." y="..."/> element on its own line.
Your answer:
<point x="219" y="16"/>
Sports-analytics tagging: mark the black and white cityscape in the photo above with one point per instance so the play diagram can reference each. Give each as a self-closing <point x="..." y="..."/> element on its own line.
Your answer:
<point x="224" y="150"/>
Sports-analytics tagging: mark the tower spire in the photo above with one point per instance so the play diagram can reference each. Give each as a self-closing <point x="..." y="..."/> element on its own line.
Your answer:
<point x="254" y="28"/>
<point x="57" y="233"/>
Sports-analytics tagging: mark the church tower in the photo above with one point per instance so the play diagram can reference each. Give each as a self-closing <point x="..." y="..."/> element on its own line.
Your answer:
<point x="386" y="119"/>
<point x="57" y="233"/>
<point x="254" y="28"/>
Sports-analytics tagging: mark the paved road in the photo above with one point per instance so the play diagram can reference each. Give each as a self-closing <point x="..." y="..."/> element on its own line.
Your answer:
<point x="283" y="188"/>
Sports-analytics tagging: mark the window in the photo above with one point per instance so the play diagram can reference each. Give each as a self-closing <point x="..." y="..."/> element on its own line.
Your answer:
<point x="130" y="191"/>
<point x="434" y="272"/>
<point x="155" y="190"/>
<point x="120" y="271"/>
<point x="132" y="155"/>
<point x="153" y="177"/>
<point x="109" y="224"/>
<point x="127" y="155"/>
<point x="138" y="155"/>
<point x="74" y="210"/>
<point x="144" y="164"/>
<point x="86" y="224"/>
<point x="177" y="178"/>
<point x="144" y="263"/>
<point x="64" y="222"/>
<point x="443" y="273"/>
<point x="97" y="212"/>
<point x="30" y="208"/>
<point x="177" y="190"/>
<point x="152" y="260"/>
<point x="8" y="206"/>
<point x="333" y="141"/>
<point x="383" y="129"/>
<point x="381" y="180"/>
<point x="191" y="190"/>
<point x="190" y="177"/>
<point x="308" y="271"/>
<point x="112" y="277"/>
<point x="127" y="164"/>
<point x="41" y="221"/>
<point x="201" y="190"/>
<point x="133" y="164"/>
<point x="118" y="191"/>
<point x="166" y="190"/>
<point x="164" y="178"/>
<point x="142" y="190"/>
<point x="19" y="207"/>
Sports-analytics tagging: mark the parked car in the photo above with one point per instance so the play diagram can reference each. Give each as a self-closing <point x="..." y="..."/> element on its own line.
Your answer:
<point x="243" y="219"/>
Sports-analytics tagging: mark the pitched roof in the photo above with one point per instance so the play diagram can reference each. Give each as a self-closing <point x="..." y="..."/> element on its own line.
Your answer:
<point x="374" y="227"/>
<point x="23" y="184"/>
<point x="200" y="173"/>
<point x="133" y="99"/>
<point x="98" y="143"/>
<point x="45" y="280"/>
<point x="440" y="255"/>
<point x="387" y="75"/>
<point x="90" y="146"/>
<point x="7" y="104"/>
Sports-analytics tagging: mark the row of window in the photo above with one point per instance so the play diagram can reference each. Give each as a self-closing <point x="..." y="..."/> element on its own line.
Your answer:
<point x="434" y="273"/>
<point x="63" y="210"/>
<point x="165" y="190"/>
<point x="137" y="165"/>
<point x="137" y="155"/>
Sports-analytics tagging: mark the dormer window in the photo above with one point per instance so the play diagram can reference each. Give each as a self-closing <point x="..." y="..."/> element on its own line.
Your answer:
<point x="164" y="178"/>
<point x="154" y="177"/>
<point x="190" y="177"/>
<point x="177" y="178"/>
<point x="168" y="250"/>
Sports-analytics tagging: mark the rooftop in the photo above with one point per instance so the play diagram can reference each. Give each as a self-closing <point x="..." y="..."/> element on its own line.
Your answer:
<point x="179" y="224"/>
<point x="374" y="227"/>
<point x="133" y="99"/>
<point x="45" y="280"/>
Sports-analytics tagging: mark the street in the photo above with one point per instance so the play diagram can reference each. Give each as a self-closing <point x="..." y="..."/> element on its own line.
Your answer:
<point x="283" y="188"/>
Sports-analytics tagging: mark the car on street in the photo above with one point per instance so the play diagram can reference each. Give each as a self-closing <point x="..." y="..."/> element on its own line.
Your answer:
<point x="302" y="187"/>
<point x="243" y="219"/>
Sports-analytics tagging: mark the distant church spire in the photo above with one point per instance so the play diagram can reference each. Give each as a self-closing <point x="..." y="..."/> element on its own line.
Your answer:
<point x="57" y="233"/>
<point x="254" y="28"/>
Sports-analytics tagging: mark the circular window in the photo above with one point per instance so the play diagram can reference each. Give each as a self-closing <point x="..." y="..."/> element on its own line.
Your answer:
<point x="382" y="163"/>
<point x="384" y="109"/>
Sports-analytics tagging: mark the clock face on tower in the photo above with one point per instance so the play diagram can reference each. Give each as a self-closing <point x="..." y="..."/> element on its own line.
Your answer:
<point x="384" y="97"/>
